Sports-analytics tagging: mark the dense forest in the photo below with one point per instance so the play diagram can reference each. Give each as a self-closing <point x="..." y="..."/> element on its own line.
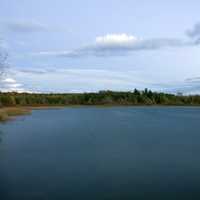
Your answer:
<point x="136" y="97"/>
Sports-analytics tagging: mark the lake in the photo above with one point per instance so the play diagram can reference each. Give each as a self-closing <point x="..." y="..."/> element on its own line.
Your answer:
<point x="101" y="153"/>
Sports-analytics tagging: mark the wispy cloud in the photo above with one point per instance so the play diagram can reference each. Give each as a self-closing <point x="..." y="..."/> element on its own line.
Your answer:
<point x="3" y="60"/>
<point x="193" y="79"/>
<point x="25" y="26"/>
<point x="30" y="26"/>
<point x="91" y="80"/>
<point x="36" y="71"/>
<point x="189" y="86"/>
<point x="80" y="80"/>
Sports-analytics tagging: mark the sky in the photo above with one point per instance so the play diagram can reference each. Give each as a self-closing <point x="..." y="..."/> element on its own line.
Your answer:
<point x="92" y="45"/>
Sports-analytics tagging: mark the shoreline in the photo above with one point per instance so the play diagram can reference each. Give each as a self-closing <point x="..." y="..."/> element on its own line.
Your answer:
<point x="8" y="113"/>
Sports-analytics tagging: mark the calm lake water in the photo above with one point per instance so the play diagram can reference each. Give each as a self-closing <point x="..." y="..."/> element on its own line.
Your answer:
<point x="101" y="153"/>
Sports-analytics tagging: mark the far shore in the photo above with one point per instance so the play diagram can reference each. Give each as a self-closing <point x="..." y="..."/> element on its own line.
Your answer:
<point x="13" y="103"/>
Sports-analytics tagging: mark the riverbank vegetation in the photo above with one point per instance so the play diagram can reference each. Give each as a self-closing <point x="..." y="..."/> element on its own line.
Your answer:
<point x="136" y="97"/>
<point x="12" y="103"/>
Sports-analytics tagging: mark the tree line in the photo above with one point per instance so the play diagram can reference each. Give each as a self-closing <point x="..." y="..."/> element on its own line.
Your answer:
<point x="136" y="97"/>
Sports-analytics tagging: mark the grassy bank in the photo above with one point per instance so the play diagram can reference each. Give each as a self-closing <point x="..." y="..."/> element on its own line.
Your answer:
<point x="10" y="112"/>
<point x="7" y="113"/>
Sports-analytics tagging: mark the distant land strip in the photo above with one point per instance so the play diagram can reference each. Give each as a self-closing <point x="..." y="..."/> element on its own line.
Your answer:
<point x="13" y="103"/>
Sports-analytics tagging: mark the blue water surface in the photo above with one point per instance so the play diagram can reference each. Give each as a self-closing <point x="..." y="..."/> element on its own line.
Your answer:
<point x="96" y="153"/>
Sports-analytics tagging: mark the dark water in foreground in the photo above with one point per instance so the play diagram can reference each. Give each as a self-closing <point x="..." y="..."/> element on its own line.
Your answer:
<point x="101" y="153"/>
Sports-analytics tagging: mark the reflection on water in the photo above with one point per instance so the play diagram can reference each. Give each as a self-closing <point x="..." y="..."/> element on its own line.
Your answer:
<point x="1" y="133"/>
<point x="102" y="153"/>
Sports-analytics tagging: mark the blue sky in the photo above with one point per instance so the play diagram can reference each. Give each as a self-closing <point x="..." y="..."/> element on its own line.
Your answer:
<point x="91" y="45"/>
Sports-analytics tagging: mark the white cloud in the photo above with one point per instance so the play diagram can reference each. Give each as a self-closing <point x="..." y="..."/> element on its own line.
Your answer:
<point x="116" y="40"/>
<point x="9" y="81"/>
<point x="8" y="84"/>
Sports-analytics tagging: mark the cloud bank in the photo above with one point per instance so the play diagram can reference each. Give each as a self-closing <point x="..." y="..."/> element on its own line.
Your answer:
<point x="118" y="44"/>
<point x="93" y="80"/>
<point x="122" y="44"/>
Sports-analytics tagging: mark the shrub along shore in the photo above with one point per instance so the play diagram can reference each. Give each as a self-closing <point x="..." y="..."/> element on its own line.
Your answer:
<point x="12" y="103"/>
